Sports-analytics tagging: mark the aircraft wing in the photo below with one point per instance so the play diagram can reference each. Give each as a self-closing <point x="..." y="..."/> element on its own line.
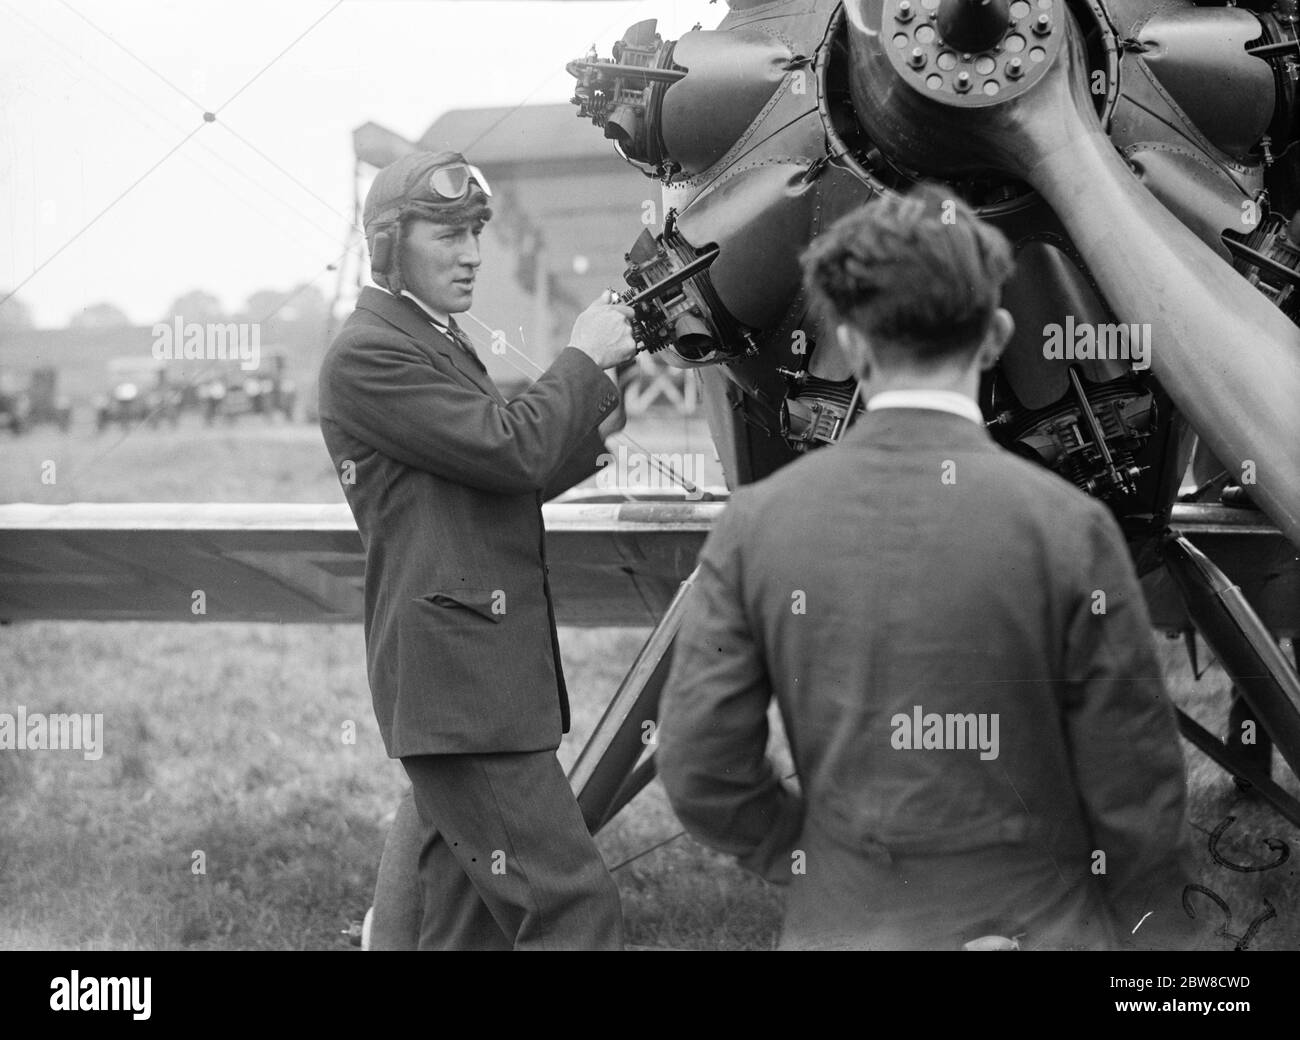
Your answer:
<point x="612" y="563"/>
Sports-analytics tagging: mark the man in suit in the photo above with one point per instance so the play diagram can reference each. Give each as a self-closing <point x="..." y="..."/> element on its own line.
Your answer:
<point x="955" y="638"/>
<point x="445" y="478"/>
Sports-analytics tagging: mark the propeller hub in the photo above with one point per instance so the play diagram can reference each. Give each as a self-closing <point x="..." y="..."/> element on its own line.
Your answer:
<point x="940" y="85"/>
<point x="971" y="26"/>
<point x="971" y="53"/>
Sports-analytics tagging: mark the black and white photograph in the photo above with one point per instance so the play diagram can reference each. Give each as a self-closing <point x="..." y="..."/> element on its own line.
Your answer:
<point x="651" y="476"/>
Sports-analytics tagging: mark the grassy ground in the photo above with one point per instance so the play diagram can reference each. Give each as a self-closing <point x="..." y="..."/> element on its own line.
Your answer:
<point x="228" y="741"/>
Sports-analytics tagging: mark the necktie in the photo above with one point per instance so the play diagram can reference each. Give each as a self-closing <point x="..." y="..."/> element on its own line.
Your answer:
<point x="463" y="341"/>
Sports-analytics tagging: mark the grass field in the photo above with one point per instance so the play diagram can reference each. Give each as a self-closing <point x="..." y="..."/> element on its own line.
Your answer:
<point x="227" y="740"/>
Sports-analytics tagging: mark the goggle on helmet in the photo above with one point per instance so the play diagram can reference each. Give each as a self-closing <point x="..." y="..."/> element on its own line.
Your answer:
<point x="451" y="183"/>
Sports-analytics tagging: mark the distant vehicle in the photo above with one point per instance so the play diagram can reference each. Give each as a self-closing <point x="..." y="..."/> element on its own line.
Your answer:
<point x="21" y="407"/>
<point x="15" y="406"/>
<point x="47" y="404"/>
<point x="237" y="393"/>
<point x="212" y="395"/>
<point x="139" y="391"/>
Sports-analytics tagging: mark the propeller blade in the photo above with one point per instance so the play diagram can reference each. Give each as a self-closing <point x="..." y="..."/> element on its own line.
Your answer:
<point x="1225" y="354"/>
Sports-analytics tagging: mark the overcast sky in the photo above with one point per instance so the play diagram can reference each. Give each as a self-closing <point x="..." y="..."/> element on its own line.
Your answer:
<point x="94" y="97"/>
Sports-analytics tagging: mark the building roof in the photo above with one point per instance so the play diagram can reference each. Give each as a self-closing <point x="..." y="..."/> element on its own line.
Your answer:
<point x="527" y="133"/>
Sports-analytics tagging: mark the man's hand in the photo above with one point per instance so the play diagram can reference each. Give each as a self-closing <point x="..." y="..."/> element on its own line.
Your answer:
<point x="604" y="332"/>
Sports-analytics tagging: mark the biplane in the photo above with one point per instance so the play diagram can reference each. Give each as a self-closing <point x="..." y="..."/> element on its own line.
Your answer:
<point x="1138" y="154"/>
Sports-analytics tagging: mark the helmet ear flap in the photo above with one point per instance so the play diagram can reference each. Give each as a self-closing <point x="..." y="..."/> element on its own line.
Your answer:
<point x="383" y="253"/>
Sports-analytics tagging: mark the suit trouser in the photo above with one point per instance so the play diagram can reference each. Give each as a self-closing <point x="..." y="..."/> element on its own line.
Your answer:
<point x="506" y="860"/>
<point x="395" y="920"/>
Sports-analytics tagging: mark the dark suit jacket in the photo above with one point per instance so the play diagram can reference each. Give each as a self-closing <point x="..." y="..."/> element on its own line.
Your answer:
<point x="856" y="585"/>
<point x="449" y="481"/>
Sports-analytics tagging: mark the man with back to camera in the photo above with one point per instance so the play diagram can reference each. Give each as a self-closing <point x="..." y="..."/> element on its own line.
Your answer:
<point x="445" y="479"/>
<point x="916" y="572"/>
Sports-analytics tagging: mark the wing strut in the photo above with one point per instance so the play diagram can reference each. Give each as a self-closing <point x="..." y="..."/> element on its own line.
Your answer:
<point x="1249" y="654"/>
<point x="618" y="759"/>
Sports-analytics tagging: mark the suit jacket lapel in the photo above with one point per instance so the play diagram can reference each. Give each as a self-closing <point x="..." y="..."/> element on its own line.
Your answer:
<point x="406" y="316"/>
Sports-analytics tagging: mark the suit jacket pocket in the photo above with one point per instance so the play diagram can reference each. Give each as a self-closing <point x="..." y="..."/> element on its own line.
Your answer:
<point x="486" y="603"/>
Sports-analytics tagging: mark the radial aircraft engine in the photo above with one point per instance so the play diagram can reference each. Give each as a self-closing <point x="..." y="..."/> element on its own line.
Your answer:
<point x="1139" y="155"/>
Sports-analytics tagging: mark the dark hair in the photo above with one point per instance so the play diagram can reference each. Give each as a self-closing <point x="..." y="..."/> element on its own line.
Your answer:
<point x="920" y="274"/>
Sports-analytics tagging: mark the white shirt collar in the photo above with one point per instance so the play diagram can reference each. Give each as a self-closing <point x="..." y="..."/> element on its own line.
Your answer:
<point x="935" y="400"/>
<point x="438" y="319"/>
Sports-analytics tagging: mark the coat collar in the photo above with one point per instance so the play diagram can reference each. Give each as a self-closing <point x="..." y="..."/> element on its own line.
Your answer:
<point x="407" y="316"/>
<point x="917" y="428"/>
